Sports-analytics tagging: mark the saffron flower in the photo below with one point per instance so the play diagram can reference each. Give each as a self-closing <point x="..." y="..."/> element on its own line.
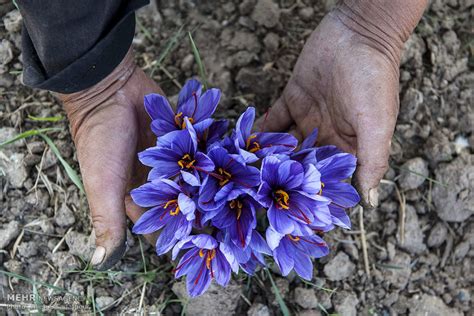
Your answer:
<point x="171" y="208"/>
<point x="203" y="262"/>
<point x="252" y="146"/>
<point x="230" y="173"/>
<point x="212" y="193"/>
<point x="177" y="154"/>
<point x="290" y="193"/>
<point x="292" y="251"/>
<point x="192" y="104"/>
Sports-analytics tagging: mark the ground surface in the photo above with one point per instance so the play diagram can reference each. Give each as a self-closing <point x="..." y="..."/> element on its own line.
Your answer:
<point x="420" y="240"/>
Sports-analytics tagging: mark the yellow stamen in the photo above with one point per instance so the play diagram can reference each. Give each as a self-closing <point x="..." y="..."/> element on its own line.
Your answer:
<point x="321" y="190"/>
<point x="178" y="119"/>
<point x="282" y="198"/>
<point x="294" y="238"/>
<point x="176" y="209"/>
<point x="226" y="175"/>
<point x="211" y="254"/>
<point x="252" y="146"/>
<point x="186" y="162"/>
<point x="201" y="253"/>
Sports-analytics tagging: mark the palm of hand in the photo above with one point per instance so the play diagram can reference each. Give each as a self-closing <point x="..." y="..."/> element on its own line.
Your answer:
<point x="347" y="88"/>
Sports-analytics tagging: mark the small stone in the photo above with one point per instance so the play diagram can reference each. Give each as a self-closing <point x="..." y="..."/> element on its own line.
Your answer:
<point x="399" y="275"/>
<point x="430" y="305"/>
<point x="15" y="170"/>
<point x="345" y="303"/>
<point x="306" y="13"/>
<point x="410" y="104"/>
<point x="339" y="268"/>
<point x="50" y="160"/>
<point x="461" y="250"/>
<point x="413" y="241"/>
<point x="271" y="42"/>
<point x="80" y="245"/>
<point x="36" y="147"/>
<point x="28" y="249"/>
<point x="217" y="300"/>
<point x="6" y="53"/>
<point x="9" y="232"/>
<point x="266" y="13"/>
<point x="187" y="62"/>
<point x="464" y="296"/>
<point x="243" y="40"/>
<point x="438" y="148"/>
<point x="246" y="6"/>
<point x="64" y="216"/>
<point x="437" y="235"/>
<point x="103" y="301"/>
<point x="414" y="173"/>
<point x="12" y="21"/>
<point x="14" y="266"/>
<point x="249" y="79"/>
<point x="414" y="49"/>
<point x="240" y="59"/>
<point x="306" y="298"/>
<point x="7" y="133"/>
<point x="258" y="310"/>
<point x="310" y="312"/>
<point x="453" y="198"/>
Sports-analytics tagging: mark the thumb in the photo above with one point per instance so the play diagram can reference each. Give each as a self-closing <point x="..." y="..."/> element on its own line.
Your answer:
<point x="373" y="149"/>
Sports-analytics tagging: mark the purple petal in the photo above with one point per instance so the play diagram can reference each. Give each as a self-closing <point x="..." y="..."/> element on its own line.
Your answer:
<point x="341" y="193"/>
<point x="283" y="257"/>
<point x="303" y="265"/>
<point x="154" y="193"/>
<point x="204" y="241"/>
<point x="162" y="127"/>
<point x="150" y="221"/>
<point x="190" y="178"/>
<point x="198" y="280"/>
<point x="337" y="167"/>
<point x="244" y="126"/>
<point x="158" y="108"/>
<point x="324" y="152"/>
<point x="191" y="87"/>
<point x="290" y="174"/>
<point x="279" y="220"/>
<point x="221" y="269"/>
<point x="203" y="162"/>
<point x="269" y="169"/>
<point x="187" y="206"/>
<point x="274" y="143"/>
<point x="273" y="238"/>
<point x="310" y="141"/>
<point x="229" y="255"/>
<point x="186" y="263"/>
<point x="259" y="244"/>
<point x="339" y="217"/>
<point x="311" y="183"/>
<point x="207" y="104"/>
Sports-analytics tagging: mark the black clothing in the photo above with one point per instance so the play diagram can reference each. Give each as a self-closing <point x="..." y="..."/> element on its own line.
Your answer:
<point x="70" y="45"/>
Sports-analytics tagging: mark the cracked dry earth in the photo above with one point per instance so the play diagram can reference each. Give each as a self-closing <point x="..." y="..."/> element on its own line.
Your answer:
<point x="420" y="240"/>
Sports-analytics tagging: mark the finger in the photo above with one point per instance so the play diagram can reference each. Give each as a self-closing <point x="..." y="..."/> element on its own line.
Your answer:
<point x="104" y="156"/>
<point x="276" y="119"/>
<point x="373" y="147"/>
<point x="134" y="212"/>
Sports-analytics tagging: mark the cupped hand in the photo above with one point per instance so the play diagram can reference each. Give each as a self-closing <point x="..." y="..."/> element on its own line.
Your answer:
<point x="109" y="126"/>
<point x="347" y="86"/>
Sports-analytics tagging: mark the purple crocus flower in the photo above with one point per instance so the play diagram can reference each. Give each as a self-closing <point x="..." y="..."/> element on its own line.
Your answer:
<point x="248" y="258"/>
<point x="237" y="217"/>
<point x="253" y="146"/>
<point x="203" y="262"/>
<point x="290" y="193"/>
<point x="292" y="251"/>
<point x="176" y="154"/>
<point x="172" y="208"/>
<point x="230" y="174"/>
<point x="191" y="104"/>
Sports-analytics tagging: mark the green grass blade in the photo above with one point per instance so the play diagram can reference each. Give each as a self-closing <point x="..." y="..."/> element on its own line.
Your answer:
<point x="69" y="170"/>
<point x="284" y="309"/>
<point x="23" y="278"/>
<point x="46" y="119"/>
<point x="197" y="57"/>
<point x="29" y="133"/>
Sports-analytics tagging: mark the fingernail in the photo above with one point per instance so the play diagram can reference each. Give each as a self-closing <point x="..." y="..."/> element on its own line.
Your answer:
<point x="373" y="197"/>
<point x="99" y="255"/>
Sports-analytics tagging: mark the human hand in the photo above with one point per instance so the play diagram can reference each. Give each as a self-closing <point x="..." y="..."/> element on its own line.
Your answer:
<point x="345" y="82"/>
<point x="109" y="125"/>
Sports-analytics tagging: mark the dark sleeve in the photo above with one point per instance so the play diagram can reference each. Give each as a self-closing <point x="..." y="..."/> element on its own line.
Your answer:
<point x="70" y="45"/>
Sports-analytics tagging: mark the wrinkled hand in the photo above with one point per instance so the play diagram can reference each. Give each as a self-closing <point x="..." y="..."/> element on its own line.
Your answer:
<point x="347" y="86"/>
<point x="109" y="126"/>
